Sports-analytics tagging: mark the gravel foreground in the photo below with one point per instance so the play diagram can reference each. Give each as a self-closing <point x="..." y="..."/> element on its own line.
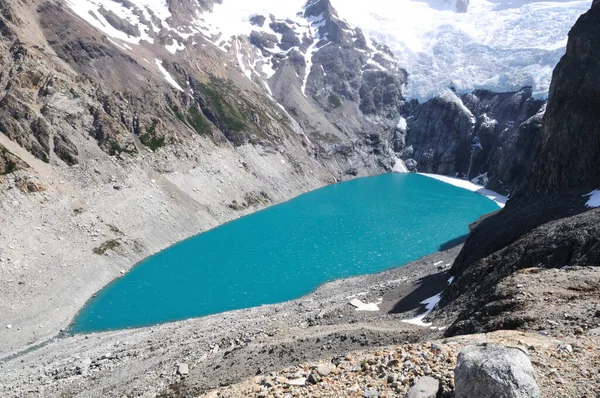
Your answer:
<point x="315" y="346"/>
<point x="226" y="348"/>
<point x="564" y="368"/>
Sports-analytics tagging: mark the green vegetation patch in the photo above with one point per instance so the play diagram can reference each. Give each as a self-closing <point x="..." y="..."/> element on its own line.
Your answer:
<point x="114" y="148"/>
<point x="178" y="113"/>
<point x="229" y="115"/>
<point x="198" y="121"/>
<point x="8" y="162"/>
<point x="151" y="140"/>
<point x="250" y="199"/>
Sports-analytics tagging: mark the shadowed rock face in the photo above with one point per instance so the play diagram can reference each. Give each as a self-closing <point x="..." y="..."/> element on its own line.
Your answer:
<point x="567" y="159"/>
<point x="485" y="134"/>
<point x="547" y="224"/>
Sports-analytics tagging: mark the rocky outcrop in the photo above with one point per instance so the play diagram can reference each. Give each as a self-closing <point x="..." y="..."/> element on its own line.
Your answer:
<point x="481" y="305"/>
<point x="9" y="162"/>
<point x="546" y="224"/>
<point x="485" y="136"/>
<point x="494" y="371"/>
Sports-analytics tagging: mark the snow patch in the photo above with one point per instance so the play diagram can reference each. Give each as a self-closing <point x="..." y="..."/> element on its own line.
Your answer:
<point x="450" y="96"/>
<point x="173" y="48"/>
<point x="361" y="306"/>
<point x="457" y="182"/>
<point x="167" y="75"/>
<point x="400" y="166"/>
<point x="594" y="200"/>
<point x="402" y="125"/>
<point x="314" y="26"/>
<point x="430" y="304"/>
<point x="88" y="10"/>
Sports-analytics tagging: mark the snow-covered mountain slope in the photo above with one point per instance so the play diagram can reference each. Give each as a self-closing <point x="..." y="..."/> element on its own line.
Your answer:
<point x="496" y="44"/>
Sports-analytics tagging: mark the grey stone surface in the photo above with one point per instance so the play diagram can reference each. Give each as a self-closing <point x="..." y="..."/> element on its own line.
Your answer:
<point x="494" y="371"/>
<point x="425" y="387"/>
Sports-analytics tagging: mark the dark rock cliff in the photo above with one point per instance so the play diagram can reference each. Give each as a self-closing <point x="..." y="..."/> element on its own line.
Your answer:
<point x="546" y="225"/>
<point x="567" y="159"/>
<point x="480" y="135"/>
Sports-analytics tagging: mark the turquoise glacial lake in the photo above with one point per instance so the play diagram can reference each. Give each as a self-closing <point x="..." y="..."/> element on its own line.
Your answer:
<point x="353" y="228"/>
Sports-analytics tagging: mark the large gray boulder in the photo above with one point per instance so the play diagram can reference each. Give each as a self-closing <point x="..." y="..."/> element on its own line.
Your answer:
<point x="494" y="371"/>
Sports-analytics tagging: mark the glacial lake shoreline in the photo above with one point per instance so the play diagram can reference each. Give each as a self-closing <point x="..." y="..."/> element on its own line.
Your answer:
<point x="306" y="289"/>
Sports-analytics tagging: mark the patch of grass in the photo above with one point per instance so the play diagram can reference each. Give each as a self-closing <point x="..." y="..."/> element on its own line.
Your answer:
<point x="114" y="148"/>
<point x="254" y="199"/>
<point x="9" y="164"/>
<point x="198" y="122"/>
<point x="229" y="116"/>
<point x="150" y="140"/>
<point x="250" y="199"/>
<point x="234" y="205"/>
<point x="334" y="101"/>
<point x="106" y="246"/>
<point x="178" y="113"/>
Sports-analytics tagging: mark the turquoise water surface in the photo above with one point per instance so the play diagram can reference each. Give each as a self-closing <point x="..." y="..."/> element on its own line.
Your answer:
<point x="281" y="253"/>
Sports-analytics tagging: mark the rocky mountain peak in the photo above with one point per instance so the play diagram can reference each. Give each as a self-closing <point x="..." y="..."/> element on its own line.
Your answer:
<point x="316" y="8"/>
<point x="461" y="6"/>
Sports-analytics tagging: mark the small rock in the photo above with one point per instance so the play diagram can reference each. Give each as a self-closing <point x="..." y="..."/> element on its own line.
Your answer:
<point x="9" y="326"/>
<point x="370" y="394"/>
<point x="579" y="330"/>
<point x="425" y="387"/>
<point x="325" y="368"/>
<point x="353" y="389"/>
<point x="314" y="378"/>
<point x="297" y="382"/>
<point x="183" y="370"/>
<point x="565" y="347"/>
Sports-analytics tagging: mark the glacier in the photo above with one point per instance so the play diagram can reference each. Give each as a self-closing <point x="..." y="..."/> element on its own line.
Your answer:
<point x="501" y="45"/>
